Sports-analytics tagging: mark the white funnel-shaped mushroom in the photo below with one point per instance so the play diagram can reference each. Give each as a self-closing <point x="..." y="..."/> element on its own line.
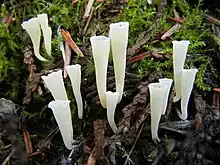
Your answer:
<point x="55" y="84"/>
<point x="167" y="82"/>
<point x="157" y="95"/>
<point x="47" y="32"/>
<point x="74" y="72"/>
<point x="119" y="40"/>
<point x="100" y="51"/>
<point x="179" y="55"/>
<point x="112" y="100"/>
<point x="33" y="29"/>
<point x="188" y="78"/>
<point x="62" y="114"/>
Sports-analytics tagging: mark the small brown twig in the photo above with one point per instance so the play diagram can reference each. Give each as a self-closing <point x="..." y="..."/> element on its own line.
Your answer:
<point x="170" y="31"/>
<point x="6" y="161"/>
<point x="45" y="143"/>
<point x="88" y="9"/>
<point x="27" y="141"/>
<point x="88" y="21"/>
<point x="212" y="19"/>
<point x="170" y="103"/>
<point x="66" y="35"/>
<point x="177" y="20"/>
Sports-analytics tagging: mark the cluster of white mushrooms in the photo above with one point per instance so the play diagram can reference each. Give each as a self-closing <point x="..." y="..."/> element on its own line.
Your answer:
<point x="101" y="46"/>
<point x="183" y="83"/>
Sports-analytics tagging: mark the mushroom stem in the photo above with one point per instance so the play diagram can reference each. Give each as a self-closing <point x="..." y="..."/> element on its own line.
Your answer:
<point x="55" y="84"/>
<point x="157" y="95"/>
<point x="74" y="72"/>
<point x="33" y="29"/>
<point x="167" y="82"/>
<point x="111" y="100"/>
<point x="179" y="56"/>
<point x="188" y="78"/>
<point x="62" y="114"/>
<point x="100" y="51"/>
<point x="119" y="40"/>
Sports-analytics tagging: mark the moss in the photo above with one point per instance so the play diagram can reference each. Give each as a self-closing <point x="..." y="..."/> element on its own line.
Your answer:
<point x="142" y="16"/>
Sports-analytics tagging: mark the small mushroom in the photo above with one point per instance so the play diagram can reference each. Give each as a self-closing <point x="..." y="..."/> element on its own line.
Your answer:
<point x="55" y="84"/>
<point x="62" y="114"/>
<point x="74" y="72"/>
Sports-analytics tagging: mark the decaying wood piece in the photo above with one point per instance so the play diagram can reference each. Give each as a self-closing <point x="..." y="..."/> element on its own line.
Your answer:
<point x="34" y="78"/>
<point x="98" y="151"/>
<point x="170" y="103"/>
<point x="125" y="132"/>
<point x="148" y="54"/>
<point x="170" y="31"/>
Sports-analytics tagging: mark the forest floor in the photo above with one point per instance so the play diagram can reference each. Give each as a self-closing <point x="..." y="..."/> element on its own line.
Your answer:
<point x="28" y="131"/>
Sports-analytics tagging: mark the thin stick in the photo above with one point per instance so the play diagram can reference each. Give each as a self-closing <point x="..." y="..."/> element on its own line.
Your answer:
<point x="139" y="133"/>
<point x="88" y="21"/>
<point x="8" y="157"/>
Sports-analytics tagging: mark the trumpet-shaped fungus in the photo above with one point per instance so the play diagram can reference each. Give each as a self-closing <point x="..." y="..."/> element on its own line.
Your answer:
<point x="157" y="95"/>
<point x="119" y="40"/>
<point x="74" y="72"/>
<point x="33" y="29"/>
<point x="55" y="84"/>
<point x="47" y="32"/>
<point x="100" y="51"/>
<point x="179" y="56"/>
<point x="62" y="114"/>
<point x="188" y="78"/>
<point x="167" y="82"/>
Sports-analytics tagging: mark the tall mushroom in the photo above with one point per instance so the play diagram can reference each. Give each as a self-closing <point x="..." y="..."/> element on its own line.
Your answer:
<point x="119" y="40"/>
<point x="47" y="32"/>
<point x="179" y="56"/>
<point x="100" y="51"/>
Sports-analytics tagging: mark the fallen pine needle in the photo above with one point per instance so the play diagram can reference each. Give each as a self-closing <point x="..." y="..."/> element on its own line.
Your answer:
<point x="72" y="44"/>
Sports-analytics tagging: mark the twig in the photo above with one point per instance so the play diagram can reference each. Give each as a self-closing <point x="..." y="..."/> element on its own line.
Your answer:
<point x="212" y="19"/>
<point x="177" y="20"/>
<point x="138" y="135"/>
<point x="170" y="31"/>
<point x="88" y="8"/>
<point x="66" y="35"/>
<point x="27" y="141"/>
<point x="88" y="21"/>
<point x="8" y="157"/>
<point x="45" y="142"/>
<point x="170" y="103"/>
